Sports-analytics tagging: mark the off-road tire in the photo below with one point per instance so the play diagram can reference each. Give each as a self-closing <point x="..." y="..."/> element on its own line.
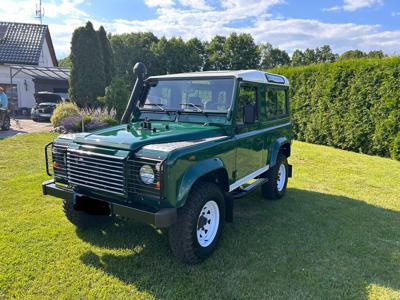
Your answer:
<point x="6" y="123"/>
<point x="183" y="234"/>
<point x="269" y="190"/>
<point x="82" y="219"/>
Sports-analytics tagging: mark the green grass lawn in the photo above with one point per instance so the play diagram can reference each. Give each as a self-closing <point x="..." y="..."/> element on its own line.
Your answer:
<point x="336" y="234"/>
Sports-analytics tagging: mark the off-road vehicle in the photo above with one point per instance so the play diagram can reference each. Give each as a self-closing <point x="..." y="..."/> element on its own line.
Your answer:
<point x="188" y="145"/>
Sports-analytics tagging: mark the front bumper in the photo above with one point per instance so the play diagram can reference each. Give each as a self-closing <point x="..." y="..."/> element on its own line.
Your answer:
<point x="165" y="217"/>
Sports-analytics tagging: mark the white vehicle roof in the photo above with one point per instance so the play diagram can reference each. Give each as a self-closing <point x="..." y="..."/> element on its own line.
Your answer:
<point x="246" y="75"/>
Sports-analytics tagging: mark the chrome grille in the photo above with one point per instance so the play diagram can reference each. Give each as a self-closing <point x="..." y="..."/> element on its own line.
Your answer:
<point x="96" y="171"/>
<point x="136" y="185"/>
<point x="59" y="158"/>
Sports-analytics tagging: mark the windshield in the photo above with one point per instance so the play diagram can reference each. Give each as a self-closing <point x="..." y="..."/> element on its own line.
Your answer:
<point x="205" y="95"/>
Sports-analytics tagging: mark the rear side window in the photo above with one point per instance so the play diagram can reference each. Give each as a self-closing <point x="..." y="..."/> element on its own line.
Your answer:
<point x="281" y="109"/>
<point x="275" y="105"/>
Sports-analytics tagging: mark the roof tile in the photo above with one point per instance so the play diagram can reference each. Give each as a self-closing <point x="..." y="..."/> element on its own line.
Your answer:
<point x="21" y="43"/>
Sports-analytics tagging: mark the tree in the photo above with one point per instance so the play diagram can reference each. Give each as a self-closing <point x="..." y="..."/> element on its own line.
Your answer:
<point x="272" y="57"/>
<point x="376" y="54"/>
<point x="197" y="54"/>
<point x="324" y="54"/>
<point x="117" y="94"/>
<point x="65" y="62"/>
<point x="216" y="56"/>
<point x="241" y="52"/>
<point x="87" y="73"/>
<point x="129" y="49"/>
<point x="107" y="54"/>
<point x="298" y="58"/>
<point x="309" y="57"/>
<point x="352" y="54"/>
<point x="172" y="55"/>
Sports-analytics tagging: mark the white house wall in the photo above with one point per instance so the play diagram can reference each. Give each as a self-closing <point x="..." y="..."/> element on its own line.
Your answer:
<point x="25" y="91"/>
<point x="45" y="57"/>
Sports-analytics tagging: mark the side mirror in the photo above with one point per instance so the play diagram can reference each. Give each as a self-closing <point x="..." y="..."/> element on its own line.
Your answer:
<point x="249" y="114"/>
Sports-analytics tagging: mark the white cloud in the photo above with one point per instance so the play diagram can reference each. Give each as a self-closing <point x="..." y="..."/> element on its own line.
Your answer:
<point x="159" y="3"/>
<point x="196" y="4"/>
<point x="353" y="5"/>
<point x="289" y="34"/>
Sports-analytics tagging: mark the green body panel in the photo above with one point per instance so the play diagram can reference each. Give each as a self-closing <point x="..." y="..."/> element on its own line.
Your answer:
<point x="134" y="136"/>
<point x="190" y="151"/>
<point x="191" y="175"/>
<point x="275" y="147"/>
<point x="208" y="157"/>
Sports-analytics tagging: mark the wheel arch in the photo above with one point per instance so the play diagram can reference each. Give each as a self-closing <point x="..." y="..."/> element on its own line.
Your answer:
<point x="280" y="145"/>
<point x="209" y="170"/>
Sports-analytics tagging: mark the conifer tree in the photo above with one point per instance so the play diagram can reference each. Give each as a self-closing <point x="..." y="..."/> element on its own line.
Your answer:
<point x="87" y="72"/>
<point x="108" y="58"/>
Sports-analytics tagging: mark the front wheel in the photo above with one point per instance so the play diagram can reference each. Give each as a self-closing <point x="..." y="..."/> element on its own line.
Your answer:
<point x="195" y="235"/>
<point x="275" y="187"/>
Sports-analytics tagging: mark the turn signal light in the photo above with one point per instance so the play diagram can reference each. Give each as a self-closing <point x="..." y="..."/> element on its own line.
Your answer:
<point x="56" y="165"/>
<point x="157" y="185"/>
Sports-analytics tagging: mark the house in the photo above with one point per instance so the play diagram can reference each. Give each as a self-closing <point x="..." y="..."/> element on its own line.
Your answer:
<point x="28" y="64"/>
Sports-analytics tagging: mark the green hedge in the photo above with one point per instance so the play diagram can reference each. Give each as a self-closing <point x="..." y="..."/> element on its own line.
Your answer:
<point x="352" y="105"/>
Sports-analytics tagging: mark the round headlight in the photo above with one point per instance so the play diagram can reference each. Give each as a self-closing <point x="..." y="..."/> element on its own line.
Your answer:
<point x="147" y="174"/>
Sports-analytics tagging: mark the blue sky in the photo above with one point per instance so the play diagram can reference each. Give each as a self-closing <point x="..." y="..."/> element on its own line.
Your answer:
<point x="287" y="24"/>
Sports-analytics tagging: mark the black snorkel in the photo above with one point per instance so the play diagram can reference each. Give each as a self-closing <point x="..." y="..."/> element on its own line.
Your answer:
<point x="140" y="71"/>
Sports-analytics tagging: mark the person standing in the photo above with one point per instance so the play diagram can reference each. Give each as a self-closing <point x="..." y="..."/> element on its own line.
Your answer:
<point x="3" y="106"/>
<point x="3" y="99"/>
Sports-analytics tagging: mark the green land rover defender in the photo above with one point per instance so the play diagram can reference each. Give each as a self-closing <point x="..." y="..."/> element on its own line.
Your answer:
<point x="187" y="147"/>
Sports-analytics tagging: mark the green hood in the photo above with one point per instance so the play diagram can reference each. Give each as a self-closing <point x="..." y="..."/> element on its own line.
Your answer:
<point x="122" y="137"/>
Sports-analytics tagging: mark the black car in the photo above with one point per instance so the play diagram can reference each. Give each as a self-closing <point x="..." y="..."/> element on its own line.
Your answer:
<point x="46" y="102"/>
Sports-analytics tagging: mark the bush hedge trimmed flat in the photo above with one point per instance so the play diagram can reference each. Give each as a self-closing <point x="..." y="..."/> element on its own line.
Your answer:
<point x="352" y="104"/>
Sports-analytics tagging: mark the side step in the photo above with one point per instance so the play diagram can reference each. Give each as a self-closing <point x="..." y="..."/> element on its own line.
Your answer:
<point x="240" y="193"/>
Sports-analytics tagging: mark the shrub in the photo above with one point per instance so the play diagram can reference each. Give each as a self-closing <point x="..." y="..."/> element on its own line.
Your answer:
<point x="72" y="124"/>
<point x="351" y="104"/>
<point x="103" y="115"/>
<point x="62" y="111"/>
<point x="395" y="149"/>
<point x="95" y="124"/>
<point x="92" y="119"/>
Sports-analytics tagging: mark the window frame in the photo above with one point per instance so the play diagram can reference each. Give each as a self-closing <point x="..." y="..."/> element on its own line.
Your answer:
<point x="263" y="110"/>
<point x="256" y="88"/>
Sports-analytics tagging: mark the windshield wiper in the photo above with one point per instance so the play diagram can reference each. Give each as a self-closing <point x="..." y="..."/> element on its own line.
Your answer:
<point x="155" y="104"/>
<point x="192" y="105"/>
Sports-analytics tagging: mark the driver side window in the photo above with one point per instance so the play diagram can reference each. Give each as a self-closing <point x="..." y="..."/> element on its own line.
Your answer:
<point x="247" y="99"/>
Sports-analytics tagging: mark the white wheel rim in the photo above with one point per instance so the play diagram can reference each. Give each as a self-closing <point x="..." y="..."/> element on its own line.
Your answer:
<point x="208" y="223"/>
<point x="281" y="177"/>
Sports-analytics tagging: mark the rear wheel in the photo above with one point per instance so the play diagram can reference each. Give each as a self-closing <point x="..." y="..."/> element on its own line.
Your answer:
<point x="6" y="123"/>
<point x="195" y="235"/>
<point x="275" y="187"/>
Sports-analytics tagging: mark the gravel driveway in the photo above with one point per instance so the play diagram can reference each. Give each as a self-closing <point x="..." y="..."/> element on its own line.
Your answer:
<point x="21" y="126"/>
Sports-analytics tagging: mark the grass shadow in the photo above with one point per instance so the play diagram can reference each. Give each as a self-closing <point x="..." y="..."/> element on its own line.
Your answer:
<point x="309" y="245"/>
